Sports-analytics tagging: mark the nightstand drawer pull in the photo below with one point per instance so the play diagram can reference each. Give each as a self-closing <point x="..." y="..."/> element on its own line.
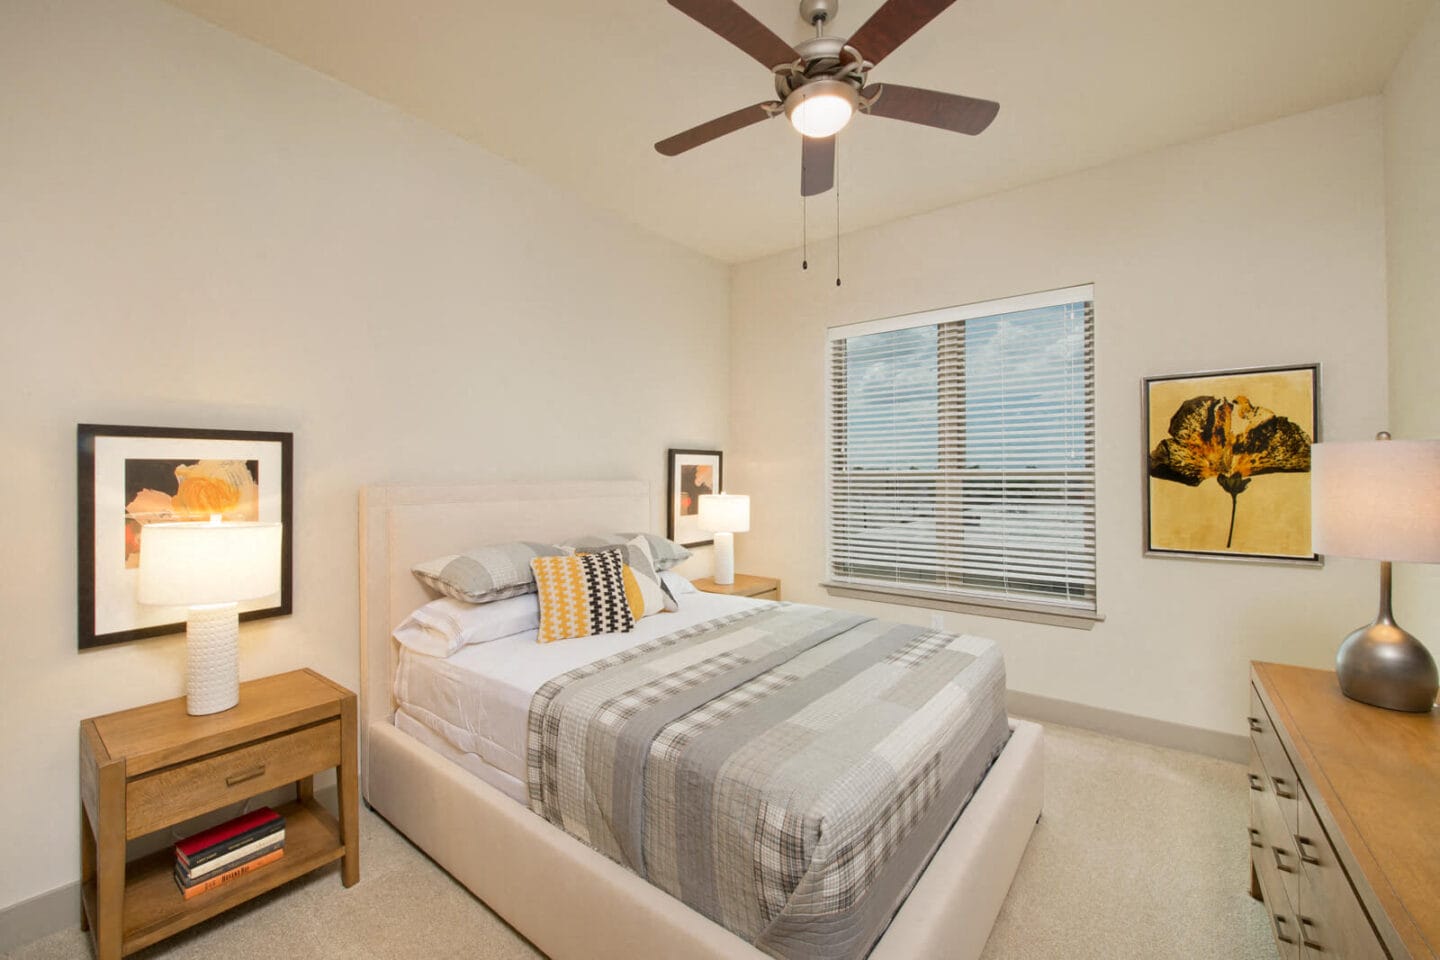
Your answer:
<point x="1300" y="844"/>
<point x="1306" y="925"/>
<point x="1282" y="791"/>
<point x="238" y="778"/>
<point x="1257" y="783"/>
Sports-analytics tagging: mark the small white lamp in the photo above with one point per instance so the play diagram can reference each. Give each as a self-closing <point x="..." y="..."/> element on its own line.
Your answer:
<point x="210" y="568"/>
<point x="724" y="514"/>
<point x="1380" y="501"/>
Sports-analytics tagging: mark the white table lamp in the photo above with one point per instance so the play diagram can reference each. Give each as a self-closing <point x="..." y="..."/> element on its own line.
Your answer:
<point x="1380" y="501"/>
<point x="210" y="568"/>
<point x="724" y="514"/>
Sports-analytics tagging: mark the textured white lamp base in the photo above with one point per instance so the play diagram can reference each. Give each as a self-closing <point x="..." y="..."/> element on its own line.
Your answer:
<point x="724" y="558"/>
<point x="212" y="659"/>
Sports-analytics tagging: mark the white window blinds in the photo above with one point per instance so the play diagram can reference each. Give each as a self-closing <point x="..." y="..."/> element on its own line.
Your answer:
<point x="962" y="452"/>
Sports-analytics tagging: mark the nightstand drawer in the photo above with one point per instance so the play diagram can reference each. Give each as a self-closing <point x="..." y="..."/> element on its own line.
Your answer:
<point x="768" y="595"/>
<point x="177" y="793"/>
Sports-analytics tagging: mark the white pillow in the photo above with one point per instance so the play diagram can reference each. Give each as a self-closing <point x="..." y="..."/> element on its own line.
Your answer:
<point x="677" y="583"/>
<point x="443" y="626"/>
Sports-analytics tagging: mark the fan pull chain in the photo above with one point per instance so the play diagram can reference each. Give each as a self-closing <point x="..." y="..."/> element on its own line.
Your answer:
<point x="837" y="211"/>
<point x="804" y="233"/>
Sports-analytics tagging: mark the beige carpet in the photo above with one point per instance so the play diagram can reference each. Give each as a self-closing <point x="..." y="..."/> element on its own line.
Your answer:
<point x="1141" y="854"/>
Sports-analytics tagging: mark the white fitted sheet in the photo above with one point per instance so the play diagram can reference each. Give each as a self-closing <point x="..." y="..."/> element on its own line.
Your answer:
<point x="477" y="700"/>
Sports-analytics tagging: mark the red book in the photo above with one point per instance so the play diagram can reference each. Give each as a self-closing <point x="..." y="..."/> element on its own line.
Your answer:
<point x="219" y="834"/>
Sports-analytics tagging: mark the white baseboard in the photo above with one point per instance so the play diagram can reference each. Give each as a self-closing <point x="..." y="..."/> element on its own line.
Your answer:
<point x="1159" y="733"/>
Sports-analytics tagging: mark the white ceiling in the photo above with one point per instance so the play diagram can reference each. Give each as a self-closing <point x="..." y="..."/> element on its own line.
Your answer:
<point x="578" y="91"/>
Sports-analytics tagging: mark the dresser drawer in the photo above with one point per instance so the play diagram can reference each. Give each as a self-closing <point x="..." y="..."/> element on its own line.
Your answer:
<point x="1333" y="924"/>
<point x="168" y="796"/>
<point x="1278" y="769"/>
<point x="1272" y="845"/>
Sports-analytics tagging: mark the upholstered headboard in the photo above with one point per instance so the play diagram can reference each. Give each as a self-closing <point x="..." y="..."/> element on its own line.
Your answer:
<point x="402" y="524"/>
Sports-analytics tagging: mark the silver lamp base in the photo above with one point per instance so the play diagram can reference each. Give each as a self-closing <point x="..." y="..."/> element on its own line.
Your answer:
<point x="1384" y="666"/>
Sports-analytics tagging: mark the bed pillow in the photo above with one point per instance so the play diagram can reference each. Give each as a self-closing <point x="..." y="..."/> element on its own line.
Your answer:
<point x="643" y="587"/>
<point x="485" y="574"/>
<point x="676" y="585"/>
<point x="581" y="595"/>
<point x="443" y="626"/>
<point x="666" y="553"/>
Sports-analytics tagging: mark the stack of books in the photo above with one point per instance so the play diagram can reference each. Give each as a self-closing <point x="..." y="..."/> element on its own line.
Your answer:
<point x="216" y="856"/>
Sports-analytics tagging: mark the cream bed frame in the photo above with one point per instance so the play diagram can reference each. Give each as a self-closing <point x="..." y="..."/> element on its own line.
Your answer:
<point x="571" y="902"/>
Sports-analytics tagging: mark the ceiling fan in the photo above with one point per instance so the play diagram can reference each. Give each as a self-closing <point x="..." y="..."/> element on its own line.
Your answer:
<point x="821" y="83"/>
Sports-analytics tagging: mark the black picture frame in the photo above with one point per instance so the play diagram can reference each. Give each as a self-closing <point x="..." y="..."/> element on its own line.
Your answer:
<point x="103" y="468"/>
<point x="680" y="525"/>
<point x="1287" y="517"/>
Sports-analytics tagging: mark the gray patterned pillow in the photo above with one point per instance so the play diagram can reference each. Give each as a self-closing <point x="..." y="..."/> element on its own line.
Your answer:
<point x="667" y="553"/>
<point x="483" y="574"/>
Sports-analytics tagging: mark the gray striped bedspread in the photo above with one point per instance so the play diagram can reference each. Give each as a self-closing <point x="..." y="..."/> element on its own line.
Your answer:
<point x="787" y="770"/>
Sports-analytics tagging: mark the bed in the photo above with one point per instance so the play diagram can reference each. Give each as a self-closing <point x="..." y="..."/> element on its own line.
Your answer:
<point x="568" y="899"/>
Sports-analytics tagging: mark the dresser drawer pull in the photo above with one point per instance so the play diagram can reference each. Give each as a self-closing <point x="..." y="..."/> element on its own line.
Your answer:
<point x="1255" y="839"/>
<point x="1279" y="861"/>
<point x="1282" y="791"/>
<point x="1257" y="783"/>
<point x="1301" y="843"/>
<point x="1255" y="725"/>
<point x="1280" y="930"/>
<point x="1306" y="924"/>
<point x="238" y="778"/>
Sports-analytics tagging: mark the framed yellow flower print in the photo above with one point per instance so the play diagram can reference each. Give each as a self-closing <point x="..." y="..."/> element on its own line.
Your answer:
<point x="1227" y="464"/>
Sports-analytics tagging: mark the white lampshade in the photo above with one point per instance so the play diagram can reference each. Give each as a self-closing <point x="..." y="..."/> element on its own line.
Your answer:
<point x="189" y="564"/>
<point x="1376" y="499"/>
<point x="724" y="512"/>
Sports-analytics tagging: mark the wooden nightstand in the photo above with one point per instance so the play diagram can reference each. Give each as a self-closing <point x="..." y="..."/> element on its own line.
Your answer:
<point x="146" y="769"/>
<point x="761" y="588"/>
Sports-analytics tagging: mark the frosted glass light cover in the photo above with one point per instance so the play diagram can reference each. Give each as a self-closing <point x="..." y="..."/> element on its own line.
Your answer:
<point x="724" y="512"/>
<point x="821" y="108"/>
<point x="187" y="564"/>
<point x="1376" y="499"/>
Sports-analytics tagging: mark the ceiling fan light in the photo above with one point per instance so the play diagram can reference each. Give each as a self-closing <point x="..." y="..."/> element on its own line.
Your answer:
<point x="821" y="108"/>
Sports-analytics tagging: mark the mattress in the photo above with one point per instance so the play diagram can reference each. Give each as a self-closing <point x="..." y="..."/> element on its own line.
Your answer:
<point x="473" y="706"/>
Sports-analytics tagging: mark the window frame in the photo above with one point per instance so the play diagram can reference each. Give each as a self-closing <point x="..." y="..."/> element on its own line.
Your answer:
<point x="977" y="601"/>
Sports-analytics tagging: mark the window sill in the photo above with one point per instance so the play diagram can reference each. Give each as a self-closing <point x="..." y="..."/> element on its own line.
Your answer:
<point x="1005" y="610"/>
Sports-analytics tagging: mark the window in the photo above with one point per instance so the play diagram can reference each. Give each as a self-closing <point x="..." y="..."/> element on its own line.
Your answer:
<point x="962" y="454"/>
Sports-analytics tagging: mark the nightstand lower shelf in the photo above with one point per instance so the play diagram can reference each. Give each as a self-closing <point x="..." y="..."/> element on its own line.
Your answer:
<point x="155" y="908"/>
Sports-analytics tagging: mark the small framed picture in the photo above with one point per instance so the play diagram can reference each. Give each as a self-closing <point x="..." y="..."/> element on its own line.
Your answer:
<point x="1227" y="463"/>
<point x="131" y="476"/>
<point x="691" y="473"/>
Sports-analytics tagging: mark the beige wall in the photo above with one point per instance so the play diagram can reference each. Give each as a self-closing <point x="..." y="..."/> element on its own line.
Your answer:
<point x="1263" y="246"/>
<point x="1412" y="182"/>
<point x="197" y="232"/>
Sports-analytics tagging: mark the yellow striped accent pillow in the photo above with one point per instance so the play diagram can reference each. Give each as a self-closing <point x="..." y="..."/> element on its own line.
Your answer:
<point x="582" y="595"/>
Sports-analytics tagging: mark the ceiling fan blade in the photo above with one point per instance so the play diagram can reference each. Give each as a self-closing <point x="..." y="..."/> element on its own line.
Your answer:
<point x="730" y="21"/>
<point x="712" y="129"/>
<point x="894" y="23"/>
<point x="817" y="165"/>
<point x="946" y="111"/>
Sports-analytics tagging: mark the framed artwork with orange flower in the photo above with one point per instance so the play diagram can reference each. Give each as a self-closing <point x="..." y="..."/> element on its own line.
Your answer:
<point x="128" y="477"/>
<point x="1227" y="463"/>
<point x="690" y="473"/>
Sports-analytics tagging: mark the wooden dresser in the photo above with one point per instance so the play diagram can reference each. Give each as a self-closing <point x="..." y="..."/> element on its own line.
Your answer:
<point x="1344" y="820"/>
